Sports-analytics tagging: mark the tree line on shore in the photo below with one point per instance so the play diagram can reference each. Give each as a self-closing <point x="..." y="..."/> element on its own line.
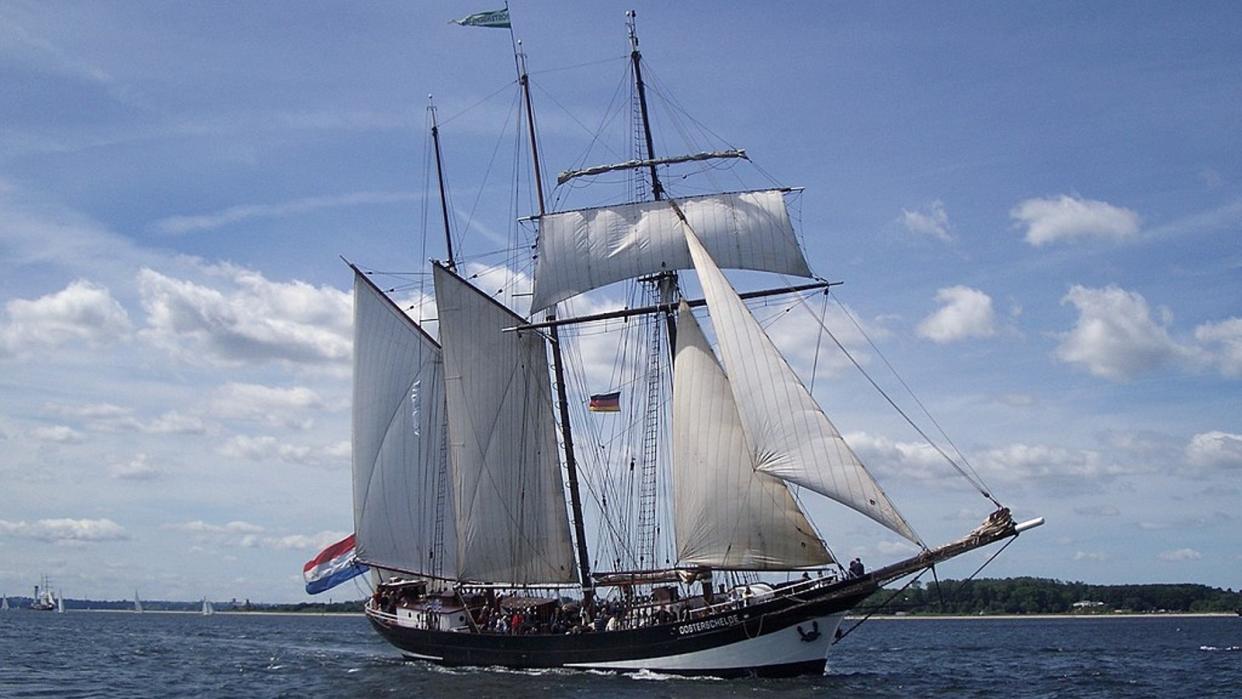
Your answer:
<point x="1046" y="596"/>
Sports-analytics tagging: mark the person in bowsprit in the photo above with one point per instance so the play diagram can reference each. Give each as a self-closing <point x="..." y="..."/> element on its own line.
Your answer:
<point x="857" y="570"/>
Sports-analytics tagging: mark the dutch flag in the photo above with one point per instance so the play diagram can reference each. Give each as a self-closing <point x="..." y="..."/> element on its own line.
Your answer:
<point x="333" y="566"/>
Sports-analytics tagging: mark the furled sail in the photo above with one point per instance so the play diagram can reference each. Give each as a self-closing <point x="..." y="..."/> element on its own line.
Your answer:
<point x="399" y="452"/>
<point x="726" y="513"/>
<point x="512" y="524"/>
<point x="582" y="250"/>
<point x="788" y="434"/>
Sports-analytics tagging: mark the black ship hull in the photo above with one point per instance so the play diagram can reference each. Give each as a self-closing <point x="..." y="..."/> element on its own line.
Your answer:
<point x="787" y="634"/>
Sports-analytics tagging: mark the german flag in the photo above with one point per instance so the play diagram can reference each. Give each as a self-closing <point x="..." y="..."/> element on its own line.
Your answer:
<point x="605" y="402"/>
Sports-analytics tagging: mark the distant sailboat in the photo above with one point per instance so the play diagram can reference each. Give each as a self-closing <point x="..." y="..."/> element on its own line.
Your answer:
<point x="4" y="604"/>
<point x="60" y="603"/>
<point x="208" y="610"/>
<point x="137" y="603"/>
<point x="44" y="600"/>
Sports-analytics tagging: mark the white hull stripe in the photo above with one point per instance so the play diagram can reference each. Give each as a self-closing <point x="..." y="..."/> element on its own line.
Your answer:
<point x="777" y="648"/>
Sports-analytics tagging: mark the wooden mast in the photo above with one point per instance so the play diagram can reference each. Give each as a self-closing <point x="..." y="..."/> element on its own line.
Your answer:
<point x="435" y="138"/>
<point x="562" y="396"/>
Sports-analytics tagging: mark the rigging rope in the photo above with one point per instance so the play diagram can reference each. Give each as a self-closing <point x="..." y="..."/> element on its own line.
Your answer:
<point x="910" y="391"/>
<point x="978" y="486"/>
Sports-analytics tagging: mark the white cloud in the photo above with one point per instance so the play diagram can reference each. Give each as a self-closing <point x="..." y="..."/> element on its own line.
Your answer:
<point x="60" y="434"/>
<point x="915" y="460"/>
<point x="236" y="214"/>
<point x="1038" y="463"/>
<point x="136" y="469"/>
<point x="934" y="222"/>
<point x="1116" y="337"/>
<point x="1223" y="342"/>
<point x="246" y="535"/>
<point x="966" y="313"/>
<point x="300" y="542"/>
<point x="896" y="548"/>
<point x="271" y="405"/>
<point x="82" y="312"/>
<point x="266" y="448"/>
<point x="1186" y="554"/>
<point x="256" y="320"/>
<point x="198" y="526"/>
<point x="1066" y="217"/>
<point x="65" y="530"/>
<point x="1215" y="449"/>
<point x="107" y="417"/>
<point x="1090" y="556"/>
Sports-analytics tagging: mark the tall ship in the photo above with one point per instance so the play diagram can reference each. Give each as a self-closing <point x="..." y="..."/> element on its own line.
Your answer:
<point x="44" y="599"/>
<point x="541" y="481"/>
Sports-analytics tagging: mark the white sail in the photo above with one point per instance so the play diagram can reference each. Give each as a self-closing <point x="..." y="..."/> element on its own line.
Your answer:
<point x="399" y="455"/>
<point x="512" y="524"/>
<point x="137" y="603"/>
<point x="726" y="513"/>
<point x="4" y="604"/>
<point x="582" y="250"/>
<point x="788" y="434"/>
<point x="60" y="604"/>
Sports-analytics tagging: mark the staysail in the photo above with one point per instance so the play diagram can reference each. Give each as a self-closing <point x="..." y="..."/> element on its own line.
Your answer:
<point x="582" y="250"/>
<point x="727" y="514"/>
<point x="399" y="439"/>
<point x="787" y="432"/>
<point x="512" y="524"/>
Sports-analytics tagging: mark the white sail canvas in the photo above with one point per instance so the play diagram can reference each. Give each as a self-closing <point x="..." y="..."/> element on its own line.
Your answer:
<point x="512" y="524"/>
<point x="787" y="432"/>
<point x="399" y="439"/>
<point x="726" y="513"/>
<point x="586" y="249"/>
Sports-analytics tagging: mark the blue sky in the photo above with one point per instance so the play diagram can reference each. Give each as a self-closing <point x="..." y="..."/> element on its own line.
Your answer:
<point x="1036" y="210"/>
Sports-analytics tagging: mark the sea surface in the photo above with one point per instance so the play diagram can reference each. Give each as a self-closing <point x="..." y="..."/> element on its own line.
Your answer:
<point x="97" y="654"/>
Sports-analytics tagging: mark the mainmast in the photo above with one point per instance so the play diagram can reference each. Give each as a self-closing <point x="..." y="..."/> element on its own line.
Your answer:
<point x="562" y="397"/>
<point x="664" y="289"/>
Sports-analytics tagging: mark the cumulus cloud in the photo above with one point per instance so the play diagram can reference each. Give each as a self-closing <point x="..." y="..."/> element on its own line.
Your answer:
<point x="272" y="405"/>
<point x="247" y="535"/>
<point x="933" y="222"/>
<point x="886" y="457"/>
<point x="267" y="448"/>
<point x="1223" y="343"/>
<point x="1215" y="450"/>
<point x="299" y="542"/>
<point x="966" y="313"/>
<point x="107" y="417"/>
<point x="254" y="320"/>
<point x="81" y="313"/>
<point x="61" y="434"/>
<point x="1186" y="554"/>
<point x="1116" y="336"/>
<point x="1039" y="463"/>
<point x="1068" y="217"/>
<point x="1090" y="556"/>
<point x="65" y="530"/>
<point x="136" y="469"/>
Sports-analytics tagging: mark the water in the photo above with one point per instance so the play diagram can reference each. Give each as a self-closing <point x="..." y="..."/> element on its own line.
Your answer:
<point x="87" y="654"/>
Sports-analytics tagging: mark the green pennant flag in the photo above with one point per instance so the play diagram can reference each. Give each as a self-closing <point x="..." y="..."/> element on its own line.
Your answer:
<point x="495" y="19"/>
